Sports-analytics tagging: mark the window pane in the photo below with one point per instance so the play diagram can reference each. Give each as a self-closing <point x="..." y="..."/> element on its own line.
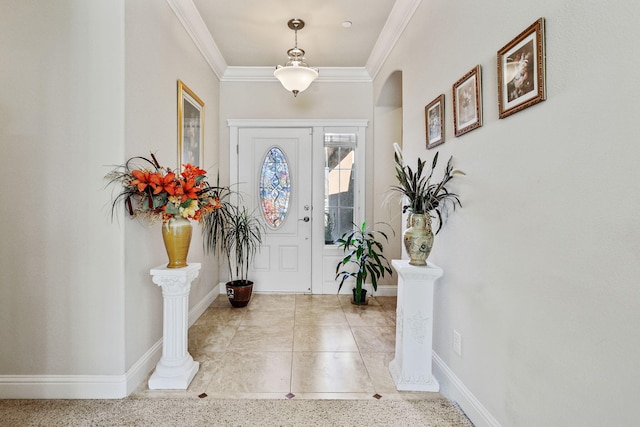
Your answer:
<point x="275" y="187"/>
<point x="339" y="185"/>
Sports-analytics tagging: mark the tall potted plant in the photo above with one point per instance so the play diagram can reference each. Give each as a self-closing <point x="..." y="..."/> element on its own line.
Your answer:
<point x="425" y="200"/>
<point x="238" y="233"/>
<point x="364" y="260"/>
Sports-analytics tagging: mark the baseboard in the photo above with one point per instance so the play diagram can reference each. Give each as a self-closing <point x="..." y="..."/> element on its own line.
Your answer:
<point x="200" y="308"/>
<point x="93" y="386"/>
<point x="454" y="389"/>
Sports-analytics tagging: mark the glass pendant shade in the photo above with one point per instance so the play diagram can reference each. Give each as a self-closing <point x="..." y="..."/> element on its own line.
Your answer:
<point x="295" y="78"/>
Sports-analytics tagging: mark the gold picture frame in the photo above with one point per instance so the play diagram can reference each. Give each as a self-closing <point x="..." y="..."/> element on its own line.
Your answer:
<point x="190" y="127"/>
<point x="434" y="122"/>
<point x="467" y="102"/>
<point x="521" y="71"/>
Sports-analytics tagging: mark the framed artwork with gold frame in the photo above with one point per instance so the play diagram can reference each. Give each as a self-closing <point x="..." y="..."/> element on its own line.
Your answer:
<point x="467" y="102"/>
<point x="190" y="127"/>
<point x="521" y="71"/>
<point x="434" y="121"/>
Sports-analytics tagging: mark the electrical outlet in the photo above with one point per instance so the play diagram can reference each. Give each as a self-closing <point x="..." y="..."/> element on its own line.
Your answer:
<point x="457" y="343"/>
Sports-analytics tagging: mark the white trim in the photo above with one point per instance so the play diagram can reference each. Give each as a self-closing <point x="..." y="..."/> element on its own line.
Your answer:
<point x="387" y="291"/>
<point x="302" y="123"/>
<point x="93" y="386"/>
<point x="193" y="23"/>
<point x="454" y="389"/>
<point x="326" y="74"/>
<point x="398" y="20"/>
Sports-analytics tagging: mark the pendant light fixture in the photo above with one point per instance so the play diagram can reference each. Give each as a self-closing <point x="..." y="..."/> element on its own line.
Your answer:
<point x="295" y="75"/>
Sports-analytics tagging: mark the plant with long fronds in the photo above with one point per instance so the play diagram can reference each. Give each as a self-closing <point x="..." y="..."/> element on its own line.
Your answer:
<point x="424" y="196"/>
<point x="242" y="240"/>
<point x="364" y="255"/>
<point x="214" y="222"/>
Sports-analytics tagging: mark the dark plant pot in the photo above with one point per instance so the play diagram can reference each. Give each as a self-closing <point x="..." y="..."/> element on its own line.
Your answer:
<point x="363" y="297"/>
<point x="239" y="292"/>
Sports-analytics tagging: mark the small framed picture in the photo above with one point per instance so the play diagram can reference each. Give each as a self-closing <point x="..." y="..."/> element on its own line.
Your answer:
<point x="467" y="102"/>
<point x="521" y="71"/>
<point x="434" y="119"/>
<point x="190" y="127"/>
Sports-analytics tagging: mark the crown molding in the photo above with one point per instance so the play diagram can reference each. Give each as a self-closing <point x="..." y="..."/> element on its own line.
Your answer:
<point x="325" y="74"/>
<point x="193" y="23"/>
<point x="398" y="20"/>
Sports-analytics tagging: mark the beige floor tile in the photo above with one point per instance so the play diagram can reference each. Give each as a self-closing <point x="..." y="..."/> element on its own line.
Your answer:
<point x="258" y="317"/>
<point x="320" y="316"/>
<point x="377" y="365"/>
<point x="205" y="339"/>
<point x="370" y="315"/>
<point x="260" y="372"/>
<point x="220" y="315"/>
<point x="271" y="302"/>
<point x="323" y="338"/>
<point x="273" y="337"/>
<point x="311" y="301"/>
<point x="329" y="372"/>
<point x="381" y="339"/>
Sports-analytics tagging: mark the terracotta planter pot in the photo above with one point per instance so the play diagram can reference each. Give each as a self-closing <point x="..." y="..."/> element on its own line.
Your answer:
<point x="239" y="292"/>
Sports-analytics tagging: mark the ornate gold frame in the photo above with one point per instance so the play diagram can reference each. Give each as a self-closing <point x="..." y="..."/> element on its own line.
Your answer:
<point x="521" y="71"/>
<point x="190" y="128"/>
<point x="467" y="102"/>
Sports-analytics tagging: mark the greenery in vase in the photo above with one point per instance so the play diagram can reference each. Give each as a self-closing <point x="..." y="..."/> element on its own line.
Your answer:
<point x="364" y="255"/>
<point x="425" y="196"/>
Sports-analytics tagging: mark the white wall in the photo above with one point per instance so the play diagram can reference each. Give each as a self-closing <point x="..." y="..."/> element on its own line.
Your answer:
<point x="159" y="52"/>
<point x="87" y="85"/>
<point x="61" y="121"/>
<point x="541" y="264"/>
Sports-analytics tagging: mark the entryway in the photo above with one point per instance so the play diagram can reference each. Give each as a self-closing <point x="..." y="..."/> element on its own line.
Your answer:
<point x="282" y="169"/>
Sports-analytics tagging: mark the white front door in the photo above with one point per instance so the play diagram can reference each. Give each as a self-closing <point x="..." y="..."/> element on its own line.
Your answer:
<point x="282" y="203"/>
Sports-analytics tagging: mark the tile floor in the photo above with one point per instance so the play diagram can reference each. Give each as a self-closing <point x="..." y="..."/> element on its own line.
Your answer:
<point x="311" y="346"/>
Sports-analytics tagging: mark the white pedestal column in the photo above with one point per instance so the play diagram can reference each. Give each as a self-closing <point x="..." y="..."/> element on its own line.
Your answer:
<point x="176" y="367"/>
<point x="411" y="367"/>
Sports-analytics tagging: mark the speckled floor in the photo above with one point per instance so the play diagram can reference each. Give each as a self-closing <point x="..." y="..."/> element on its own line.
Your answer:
<point x="308" y="346"/>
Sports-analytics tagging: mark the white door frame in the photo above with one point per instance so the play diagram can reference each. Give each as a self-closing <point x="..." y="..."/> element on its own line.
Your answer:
<point x="317" y="215"/>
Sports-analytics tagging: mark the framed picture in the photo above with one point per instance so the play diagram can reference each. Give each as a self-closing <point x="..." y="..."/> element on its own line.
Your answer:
<point x="190" y="127"/>
<point x="521" y="71"/>
<point x="467" y="102"/>
<point x="434" y="119"/>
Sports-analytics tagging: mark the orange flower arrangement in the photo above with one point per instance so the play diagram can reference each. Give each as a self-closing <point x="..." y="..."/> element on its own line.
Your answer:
<point x="156" y="192"/>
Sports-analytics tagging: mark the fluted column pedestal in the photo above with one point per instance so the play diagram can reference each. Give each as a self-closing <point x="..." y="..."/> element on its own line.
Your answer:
<point x="176" y="367"/>
<point x="411" y="367"/>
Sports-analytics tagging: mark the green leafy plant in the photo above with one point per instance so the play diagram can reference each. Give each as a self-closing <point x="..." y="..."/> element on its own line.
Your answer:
<point x="232" y="230"/>
<point x="423" y="195"/>
<point x="243" y="238"/>
<point x="364" y="254"/>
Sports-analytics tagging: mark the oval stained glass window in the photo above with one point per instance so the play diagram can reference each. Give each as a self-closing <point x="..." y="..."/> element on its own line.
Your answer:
<point x="275" y="187"/>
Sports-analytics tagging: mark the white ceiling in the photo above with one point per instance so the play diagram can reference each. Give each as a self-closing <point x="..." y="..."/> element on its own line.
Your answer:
<point x="250" y="37"/>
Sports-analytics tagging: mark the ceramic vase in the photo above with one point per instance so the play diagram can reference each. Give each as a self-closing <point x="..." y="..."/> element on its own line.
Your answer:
<point x="418" y="239"/>
<point x="176" y="234"/>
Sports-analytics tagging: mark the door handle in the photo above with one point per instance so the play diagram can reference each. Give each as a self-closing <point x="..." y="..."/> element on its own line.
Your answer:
<point x="305" y="219"/>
